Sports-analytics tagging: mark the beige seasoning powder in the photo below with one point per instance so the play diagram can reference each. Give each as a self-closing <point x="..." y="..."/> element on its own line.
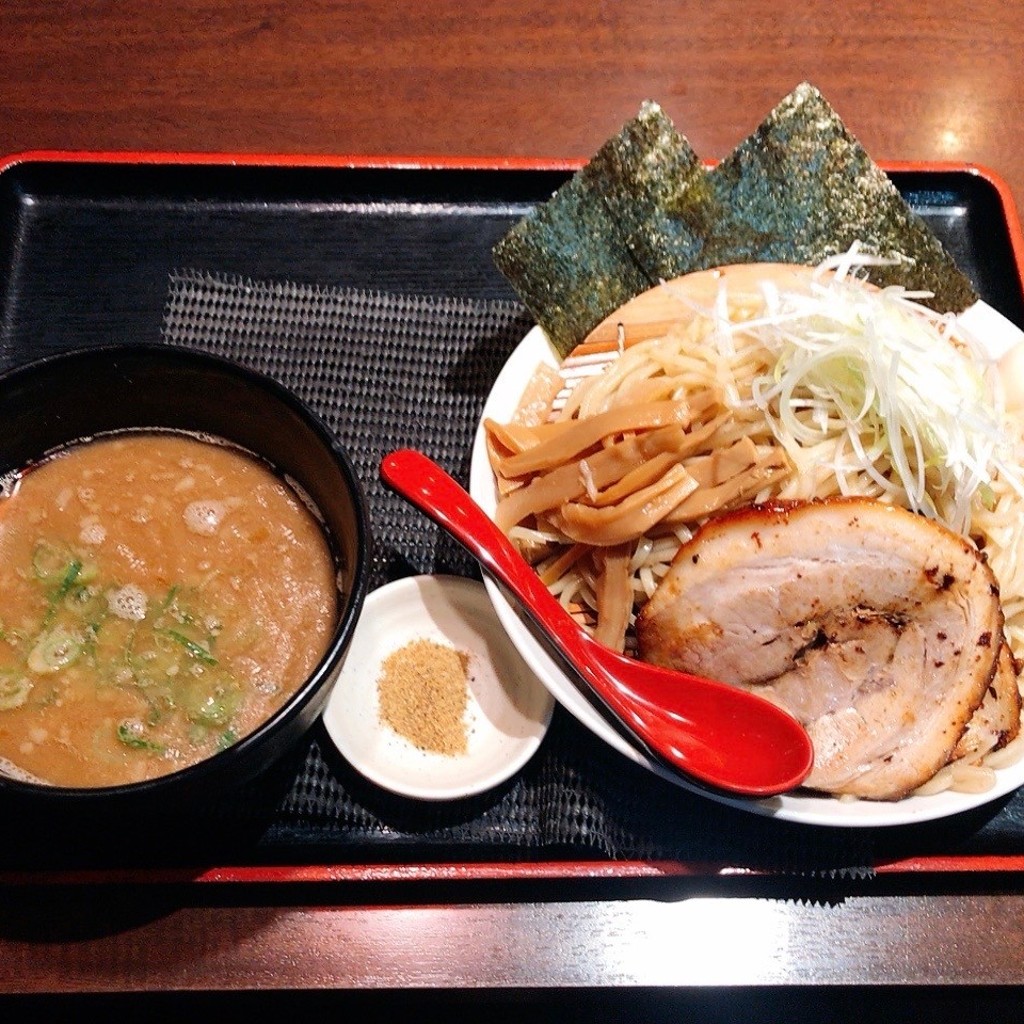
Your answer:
<point x="423" y="691"/>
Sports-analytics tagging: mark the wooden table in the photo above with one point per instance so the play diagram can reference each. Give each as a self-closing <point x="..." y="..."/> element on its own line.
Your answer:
<point x="520" y="78"/>
<point x="517" y="78"/>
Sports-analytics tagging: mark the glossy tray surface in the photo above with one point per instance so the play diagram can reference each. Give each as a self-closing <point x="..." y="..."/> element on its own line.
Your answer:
<point x="90" y="248"/>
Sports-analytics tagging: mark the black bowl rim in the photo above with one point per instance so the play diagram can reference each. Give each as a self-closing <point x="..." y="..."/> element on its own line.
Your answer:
<point x="329" y="662"/>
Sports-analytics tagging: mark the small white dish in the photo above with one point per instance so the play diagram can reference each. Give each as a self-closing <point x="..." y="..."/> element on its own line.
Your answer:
<point x="508" y="709"/>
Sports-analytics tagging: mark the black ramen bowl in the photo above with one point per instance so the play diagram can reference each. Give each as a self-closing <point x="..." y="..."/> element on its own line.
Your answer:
<point x="48" y="404"/>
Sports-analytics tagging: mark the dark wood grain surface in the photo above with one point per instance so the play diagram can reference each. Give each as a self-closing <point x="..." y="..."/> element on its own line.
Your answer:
<point x="913" y="81"/>
<point x="519" y="78"/>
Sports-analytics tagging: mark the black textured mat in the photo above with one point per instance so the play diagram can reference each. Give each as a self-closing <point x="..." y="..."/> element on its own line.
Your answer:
<point x="387" y="370"/>
<point x="86" y="253"/>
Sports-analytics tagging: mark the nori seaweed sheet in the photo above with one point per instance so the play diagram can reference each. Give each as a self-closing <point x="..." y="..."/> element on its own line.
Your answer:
<point x="610" y="232"/>
<point x="656" y="189"/>
<point x="800" y="188"/>
<point x="568" y="262"/>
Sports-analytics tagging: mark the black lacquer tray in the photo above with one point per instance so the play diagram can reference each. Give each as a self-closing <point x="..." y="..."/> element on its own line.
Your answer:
<point x="292" y="264"/>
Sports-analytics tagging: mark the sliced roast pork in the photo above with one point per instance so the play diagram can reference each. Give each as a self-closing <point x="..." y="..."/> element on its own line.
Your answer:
<point x="997" y="720"/>
<point x="877" y="628"/>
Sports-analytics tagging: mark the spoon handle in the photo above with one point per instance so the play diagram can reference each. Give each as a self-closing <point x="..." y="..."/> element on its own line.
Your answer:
<point x="704" y="729"/>
<point x="427" y="486"/>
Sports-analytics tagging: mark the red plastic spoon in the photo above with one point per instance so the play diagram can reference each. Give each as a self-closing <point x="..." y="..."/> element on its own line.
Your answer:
<point x="714" y="734"/>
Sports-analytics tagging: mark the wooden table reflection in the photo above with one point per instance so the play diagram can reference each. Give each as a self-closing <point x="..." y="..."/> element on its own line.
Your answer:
<point x="519" y="78"/>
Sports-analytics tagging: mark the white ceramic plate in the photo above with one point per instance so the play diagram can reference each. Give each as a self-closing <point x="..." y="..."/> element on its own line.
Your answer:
<point x="509" y="709"/>
<point x="982" y="321"/>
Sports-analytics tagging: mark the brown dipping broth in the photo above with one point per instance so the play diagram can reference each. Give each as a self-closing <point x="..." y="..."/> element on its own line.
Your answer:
<point x="161" y="596"/>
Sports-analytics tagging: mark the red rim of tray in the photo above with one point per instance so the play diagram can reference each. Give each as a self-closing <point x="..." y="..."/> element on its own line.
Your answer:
<point x="476" y="871"/>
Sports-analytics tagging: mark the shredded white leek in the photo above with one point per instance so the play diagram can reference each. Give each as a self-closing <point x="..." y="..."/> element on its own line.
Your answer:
<point x="905" y="397"/>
